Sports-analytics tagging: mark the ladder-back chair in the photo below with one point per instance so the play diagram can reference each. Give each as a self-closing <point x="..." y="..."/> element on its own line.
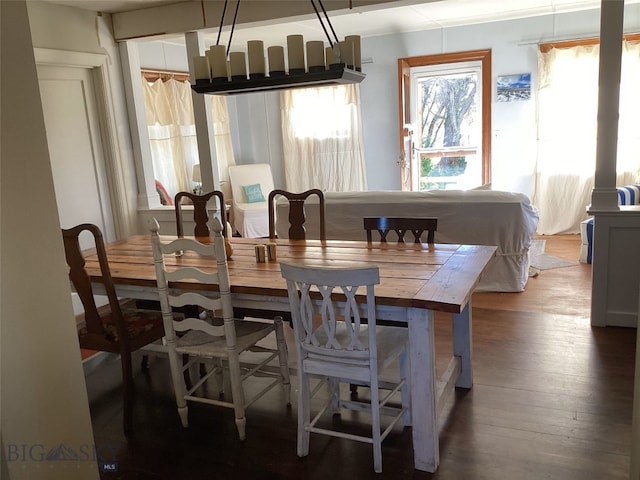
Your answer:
<point x="219" y="338"/>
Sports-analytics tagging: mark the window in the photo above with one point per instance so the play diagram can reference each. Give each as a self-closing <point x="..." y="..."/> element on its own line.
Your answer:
<point x="172" y="133"/>
<point x="445" y="121"/>
<point x="322" y="139"/>
<point x="320" y="114"/>
<point x="567" y="129"/>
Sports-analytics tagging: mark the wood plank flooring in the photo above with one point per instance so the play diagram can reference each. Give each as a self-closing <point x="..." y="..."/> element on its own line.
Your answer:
<point x="552" y="399"/>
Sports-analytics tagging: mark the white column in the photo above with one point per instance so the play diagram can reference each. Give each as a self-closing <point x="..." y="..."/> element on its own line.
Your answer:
<point x="635" y="423"/>
<point x="604" y="196"/>
<point x="615" y="274"/>
<point x="204" y="120"/>
<point x="147" y="195"/>
<point x="44" y="396"/>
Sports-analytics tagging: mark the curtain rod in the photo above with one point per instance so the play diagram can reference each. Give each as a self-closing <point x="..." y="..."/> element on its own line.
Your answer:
<point x="589" y="39"/>
<point x="163" y="71"/>
<point x="162" y="74"/>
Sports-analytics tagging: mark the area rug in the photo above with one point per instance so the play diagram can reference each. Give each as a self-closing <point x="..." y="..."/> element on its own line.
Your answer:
<point x="542" y="261"/>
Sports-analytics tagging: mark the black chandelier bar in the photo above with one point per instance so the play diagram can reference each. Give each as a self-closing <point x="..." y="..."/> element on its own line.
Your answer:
<point x="336" y="75"/>
<point x="219" y="72"/>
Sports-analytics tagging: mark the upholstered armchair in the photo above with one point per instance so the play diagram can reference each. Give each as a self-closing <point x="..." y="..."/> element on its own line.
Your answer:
<point x="250" y="187"/>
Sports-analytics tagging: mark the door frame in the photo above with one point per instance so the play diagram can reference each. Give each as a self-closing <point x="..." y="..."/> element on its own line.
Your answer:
<point x="404" y="97"/>
<point x="98" y="66"/>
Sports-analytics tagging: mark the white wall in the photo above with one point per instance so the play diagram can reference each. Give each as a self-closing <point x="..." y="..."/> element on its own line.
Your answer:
<point x="63" y="28"/>
<point x="44" y="399"/>
<point x="259" y="132"/>
<point x="71" y="29"/>
<point x="514" y="50"/>
<point x="163" y="55"/>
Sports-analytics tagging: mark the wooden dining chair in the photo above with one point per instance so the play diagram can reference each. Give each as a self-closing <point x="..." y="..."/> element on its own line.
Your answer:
<point x="219" y="339"/>
<point x="332" y="343"/>
<point x="401" y="226"/>
<point x="297" y="219"/>
<point x="118" y="327"/>
<point x="297" y="216"/>
<point x="200" y="213"/>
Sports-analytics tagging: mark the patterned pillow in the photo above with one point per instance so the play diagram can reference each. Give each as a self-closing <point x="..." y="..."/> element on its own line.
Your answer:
<point x="253" y="193"/>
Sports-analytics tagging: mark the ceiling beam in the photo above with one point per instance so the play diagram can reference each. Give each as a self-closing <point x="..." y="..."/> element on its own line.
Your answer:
<point x="205" y="15"/>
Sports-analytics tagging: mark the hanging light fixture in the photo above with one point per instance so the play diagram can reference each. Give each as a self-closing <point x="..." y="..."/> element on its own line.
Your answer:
<point x="221" y="72"/>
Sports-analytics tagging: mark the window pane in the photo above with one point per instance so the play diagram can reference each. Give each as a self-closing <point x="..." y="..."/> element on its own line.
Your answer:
<point x="321" y="113"/>
<point x="449" y="130"/>
<point x="448" y="110"/>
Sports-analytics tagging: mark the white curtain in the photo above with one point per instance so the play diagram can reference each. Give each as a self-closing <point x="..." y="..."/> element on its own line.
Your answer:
<point x="567" y="121"/>
<point x="172" y="133"/>
<point x="222" y="136"/>
<point x="322" y="138"/>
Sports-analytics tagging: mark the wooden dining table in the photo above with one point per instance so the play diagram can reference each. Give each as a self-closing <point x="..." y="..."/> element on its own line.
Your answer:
<point x="416" y="280"/>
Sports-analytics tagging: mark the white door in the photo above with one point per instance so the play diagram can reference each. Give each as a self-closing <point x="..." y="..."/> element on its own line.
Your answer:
<point x="75" y="147"/>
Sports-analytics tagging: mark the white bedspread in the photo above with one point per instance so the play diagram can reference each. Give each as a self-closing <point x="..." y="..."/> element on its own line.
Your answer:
<point x="475" y="217"/>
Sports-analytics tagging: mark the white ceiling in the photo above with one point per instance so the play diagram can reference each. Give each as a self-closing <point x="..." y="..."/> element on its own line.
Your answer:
<point x="405" y="18"/>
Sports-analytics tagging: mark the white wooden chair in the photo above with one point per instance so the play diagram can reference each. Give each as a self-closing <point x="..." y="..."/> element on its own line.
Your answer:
<point x="219" y="338"/>
<point x="331" y="342"/>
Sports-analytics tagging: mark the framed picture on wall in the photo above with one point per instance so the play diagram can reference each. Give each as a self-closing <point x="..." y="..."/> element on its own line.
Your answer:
<point x="514" y="87"/>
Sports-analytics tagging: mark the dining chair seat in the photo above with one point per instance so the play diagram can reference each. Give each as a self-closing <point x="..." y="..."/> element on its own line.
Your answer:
<point x="196" y="342"/>
<point x="138" y="323"/>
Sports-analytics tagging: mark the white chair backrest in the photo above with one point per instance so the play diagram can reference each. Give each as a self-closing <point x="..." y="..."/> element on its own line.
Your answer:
<point x="181" y="250"/>
<point x="329" y="294"/>
<point x="243" y="175"/>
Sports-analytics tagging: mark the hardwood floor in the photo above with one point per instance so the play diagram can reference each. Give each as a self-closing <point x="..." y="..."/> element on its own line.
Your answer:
<point x="552" y="398"/>
<point x="565" y="291"/>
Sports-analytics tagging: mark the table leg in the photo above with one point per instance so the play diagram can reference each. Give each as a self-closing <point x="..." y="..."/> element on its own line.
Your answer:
<point x="462" y="346"/>
<point x="426" y="453"/>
